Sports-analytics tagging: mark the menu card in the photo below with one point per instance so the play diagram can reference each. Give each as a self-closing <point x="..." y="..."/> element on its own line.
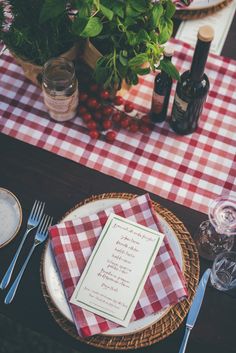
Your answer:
<point x="118" y="267"/>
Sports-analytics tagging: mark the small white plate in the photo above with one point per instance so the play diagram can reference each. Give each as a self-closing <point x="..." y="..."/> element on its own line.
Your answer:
<point x="52" y="277"/>
<point x="10" y="216"/>
<point x="201" y="5"/>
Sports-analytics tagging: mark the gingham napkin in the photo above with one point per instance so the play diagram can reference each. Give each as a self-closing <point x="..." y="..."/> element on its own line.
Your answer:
<point x="73" y="241"/>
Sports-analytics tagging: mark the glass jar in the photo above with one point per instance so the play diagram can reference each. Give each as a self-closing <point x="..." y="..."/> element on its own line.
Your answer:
<point x="60" y="89"/>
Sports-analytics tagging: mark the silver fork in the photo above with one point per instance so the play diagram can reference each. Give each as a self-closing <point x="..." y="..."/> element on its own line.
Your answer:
<point x="40" y="236"/>
<point x="33" y="221"/>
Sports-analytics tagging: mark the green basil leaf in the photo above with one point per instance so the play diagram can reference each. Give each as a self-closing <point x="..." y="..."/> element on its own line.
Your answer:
<point x="143" y="36"/>
<point x="132" y="38"/>
<point x="129" y="21"/>
<point x="170" y="9"/>
<point x="100" y="73"/>
<point x="142" y="71"/>
<point x="140" y="5"/>
<point x="52" y="9"/>
<point x="79" y="24"/>
<point x="138" y="60"/>
<point x="169" y="68"/>
<point x="84" y="11"/>
<point x="107" y="12"/>
<point x="123" y="59"/>
<point x="156" y="14"/>
<point x="92" y="28"/>
<point x="101" y="70"/>
<point x="134" y="80"/>
<point x="153" y="37"/>
<point x="166" y="29"/>
<point x="118" y="9"/>
<point x="130" y="11"/>
<point x="122" y="69"/>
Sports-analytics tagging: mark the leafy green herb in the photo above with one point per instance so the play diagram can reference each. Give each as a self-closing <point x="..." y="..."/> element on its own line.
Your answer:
<point x="169" y="68"/>
<point x="31" y="40"/>
<point x="51" y="9"/>
<point x="107" y="12"/>
<point x="130" y="36"/>
<point x="129" y="33"/>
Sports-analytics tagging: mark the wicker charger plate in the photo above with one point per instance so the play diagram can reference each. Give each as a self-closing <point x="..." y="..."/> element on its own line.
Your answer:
<point x="169" y="322"/>
<point x="200" y="13"/>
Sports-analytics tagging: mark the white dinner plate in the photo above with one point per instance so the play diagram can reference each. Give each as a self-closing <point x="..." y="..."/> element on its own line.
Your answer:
<point x="201" y="4"/>
<point x="10" y="216"/>
<point x="52" y="278"/>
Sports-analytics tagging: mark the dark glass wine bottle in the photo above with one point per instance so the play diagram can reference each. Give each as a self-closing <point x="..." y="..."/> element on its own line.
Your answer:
<point x="192" y="88"/>
<point x="161" y="91"/>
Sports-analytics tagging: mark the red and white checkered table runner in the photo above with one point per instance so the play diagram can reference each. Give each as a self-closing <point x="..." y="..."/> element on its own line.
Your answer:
<point x="190" y="170"/>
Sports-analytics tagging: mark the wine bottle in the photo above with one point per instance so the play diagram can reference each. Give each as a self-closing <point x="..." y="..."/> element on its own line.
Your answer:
<point x="161" y="92"/>
<point x="192" y="88"/>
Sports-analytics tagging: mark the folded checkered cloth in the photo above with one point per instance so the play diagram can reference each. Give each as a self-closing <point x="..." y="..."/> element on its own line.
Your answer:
<point x="73" y="242"/>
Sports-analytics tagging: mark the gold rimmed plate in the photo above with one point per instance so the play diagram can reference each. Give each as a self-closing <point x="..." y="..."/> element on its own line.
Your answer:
<point x="10" y="216"/>
<point x="200" y="8"/>
<point x="139" y="333"/>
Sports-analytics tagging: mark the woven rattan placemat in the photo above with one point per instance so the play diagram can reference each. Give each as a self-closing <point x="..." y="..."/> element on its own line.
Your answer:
<point x="195" y="14"/>
<point x="169" y="322"/>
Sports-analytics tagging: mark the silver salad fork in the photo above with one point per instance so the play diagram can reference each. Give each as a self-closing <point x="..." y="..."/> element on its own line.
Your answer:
<point x="33" y="221"/>
<point x="40" y="236"/>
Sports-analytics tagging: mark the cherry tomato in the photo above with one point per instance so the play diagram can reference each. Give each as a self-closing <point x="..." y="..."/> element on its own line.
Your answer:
<point x="107" y="110"/>
<point x="133" y="126"/>
<point x="116" y="117"/>
<point x="110" y="136"/>
<point x="118" y="100"/>
<point x="91" y="125"/>
<point x="128" y="107"/>
<point x="86" y="117"/>
<point x="107" y="124"/>
<point x="125" y="122"/>
<point x="92" y="103"/>
<point x="105" y="94"/>
<point x="94" y="134"/>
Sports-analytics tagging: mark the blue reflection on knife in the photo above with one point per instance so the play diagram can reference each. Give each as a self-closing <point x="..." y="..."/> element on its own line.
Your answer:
<point x="194" y="310"/>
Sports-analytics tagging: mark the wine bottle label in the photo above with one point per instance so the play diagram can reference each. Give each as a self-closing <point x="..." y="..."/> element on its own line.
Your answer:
<point x="179" y="108"/>
<point x="157" y="102"/>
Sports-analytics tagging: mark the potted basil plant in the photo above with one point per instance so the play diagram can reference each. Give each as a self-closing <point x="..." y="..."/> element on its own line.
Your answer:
<point x="128" y="35"/>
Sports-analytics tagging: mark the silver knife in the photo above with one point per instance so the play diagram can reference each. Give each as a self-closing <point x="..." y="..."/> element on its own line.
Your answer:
<point x="195" y="307"/>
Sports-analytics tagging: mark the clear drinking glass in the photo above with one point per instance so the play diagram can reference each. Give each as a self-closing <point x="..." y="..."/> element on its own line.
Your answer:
<point x="223" y="273"/>
<point x="216" y="234"/>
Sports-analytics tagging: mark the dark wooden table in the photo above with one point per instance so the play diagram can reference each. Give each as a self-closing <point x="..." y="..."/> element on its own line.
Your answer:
<point x="26" y="325"/>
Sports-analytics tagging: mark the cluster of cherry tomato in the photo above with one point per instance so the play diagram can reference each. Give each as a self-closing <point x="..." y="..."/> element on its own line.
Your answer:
<point x="102" y="113"/>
